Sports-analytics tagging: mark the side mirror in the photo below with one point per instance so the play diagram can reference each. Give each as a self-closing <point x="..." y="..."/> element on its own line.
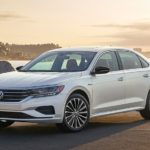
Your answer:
<point x="100" y="70"/>
<point x="19" y="68"/>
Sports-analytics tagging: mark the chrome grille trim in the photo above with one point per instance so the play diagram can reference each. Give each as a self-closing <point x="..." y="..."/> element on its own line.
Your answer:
<point x="13" y="95"/>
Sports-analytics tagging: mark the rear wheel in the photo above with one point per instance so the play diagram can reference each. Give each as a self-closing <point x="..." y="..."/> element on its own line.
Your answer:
<point x="5" y="123"/>
<point x="76" y="114"/>
<point x="145" y="113"/>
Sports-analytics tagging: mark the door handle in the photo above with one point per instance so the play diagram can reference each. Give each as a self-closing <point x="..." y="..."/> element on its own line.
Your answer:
<point x="146" y="75"/>
<point x="120" y="79"/>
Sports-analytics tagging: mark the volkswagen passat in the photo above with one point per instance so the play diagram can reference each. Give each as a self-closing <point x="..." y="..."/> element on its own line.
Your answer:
<point x="70" y="86"/>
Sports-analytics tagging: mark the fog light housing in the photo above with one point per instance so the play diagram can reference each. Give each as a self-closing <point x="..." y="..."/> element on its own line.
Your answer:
<point x="46" y="110"/>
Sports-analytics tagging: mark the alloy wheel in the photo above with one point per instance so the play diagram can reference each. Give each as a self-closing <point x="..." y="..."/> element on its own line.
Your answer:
<point x="76" y="113"/>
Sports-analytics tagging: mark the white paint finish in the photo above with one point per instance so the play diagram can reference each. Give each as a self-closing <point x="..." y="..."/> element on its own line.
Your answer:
<point x="107" y="95"/>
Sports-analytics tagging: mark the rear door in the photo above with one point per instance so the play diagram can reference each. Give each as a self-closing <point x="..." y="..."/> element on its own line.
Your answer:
<point x="136" y="79"/>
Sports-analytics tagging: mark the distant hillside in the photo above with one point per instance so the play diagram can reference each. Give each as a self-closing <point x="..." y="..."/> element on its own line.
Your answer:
<point x="28" y="51"/>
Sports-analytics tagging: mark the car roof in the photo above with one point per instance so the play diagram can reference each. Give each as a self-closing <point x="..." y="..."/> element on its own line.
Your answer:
<point x="92" y="48"/>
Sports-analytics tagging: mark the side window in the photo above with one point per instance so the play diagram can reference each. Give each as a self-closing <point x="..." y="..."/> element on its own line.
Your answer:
<point x="144" y="63"/>
<point x="129" y="60"/>
<point x="108" y="60"/>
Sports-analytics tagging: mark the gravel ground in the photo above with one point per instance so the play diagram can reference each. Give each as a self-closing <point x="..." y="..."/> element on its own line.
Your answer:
<point x="117" y="132"/>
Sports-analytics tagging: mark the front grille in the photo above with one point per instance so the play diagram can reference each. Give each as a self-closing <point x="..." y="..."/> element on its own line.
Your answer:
<point x="14" y="95"/>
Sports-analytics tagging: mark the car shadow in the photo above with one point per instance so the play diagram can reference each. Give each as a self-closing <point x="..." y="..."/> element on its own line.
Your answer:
<point x="32" y="136"/>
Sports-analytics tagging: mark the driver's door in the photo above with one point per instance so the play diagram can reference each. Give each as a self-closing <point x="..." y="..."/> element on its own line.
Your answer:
<point x="109" y="88"/>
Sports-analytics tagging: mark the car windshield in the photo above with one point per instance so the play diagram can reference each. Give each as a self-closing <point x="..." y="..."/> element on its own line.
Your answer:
<point x="60" y="61"/>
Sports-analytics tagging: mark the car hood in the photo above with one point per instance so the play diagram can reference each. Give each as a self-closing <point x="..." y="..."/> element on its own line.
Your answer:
<point x="33" y="79"/>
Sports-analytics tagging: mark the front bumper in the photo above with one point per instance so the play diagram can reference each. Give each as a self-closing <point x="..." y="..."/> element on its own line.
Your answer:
<point x="26" y="110"/>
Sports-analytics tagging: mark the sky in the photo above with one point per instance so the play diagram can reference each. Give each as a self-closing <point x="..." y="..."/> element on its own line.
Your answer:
<point x="76" y="22"/>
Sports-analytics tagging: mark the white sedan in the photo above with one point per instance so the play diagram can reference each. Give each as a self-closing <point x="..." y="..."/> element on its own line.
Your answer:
<point x="69" y="86"/>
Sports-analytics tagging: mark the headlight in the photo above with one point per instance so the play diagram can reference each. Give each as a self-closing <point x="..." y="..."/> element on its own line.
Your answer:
<point x="47" y="91"/>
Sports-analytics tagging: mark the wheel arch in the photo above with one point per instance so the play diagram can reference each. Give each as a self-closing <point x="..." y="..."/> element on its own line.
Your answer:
<point x="83" y="91"/>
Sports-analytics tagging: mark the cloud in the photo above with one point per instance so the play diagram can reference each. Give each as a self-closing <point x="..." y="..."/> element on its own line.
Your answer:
<point x="127" y="39"/>
<point x="132" y="39"/>
<point x="9" y="16"/>
<point x="135" y="34"/>
<point x="134" y="26"/>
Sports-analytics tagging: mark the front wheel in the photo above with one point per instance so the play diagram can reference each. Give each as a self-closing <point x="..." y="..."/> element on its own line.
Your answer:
<point x="5" y="123"/>
<point x="76" y="114"/>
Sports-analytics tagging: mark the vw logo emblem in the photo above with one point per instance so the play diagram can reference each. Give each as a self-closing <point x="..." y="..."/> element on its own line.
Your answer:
<point x="1" y="95"/>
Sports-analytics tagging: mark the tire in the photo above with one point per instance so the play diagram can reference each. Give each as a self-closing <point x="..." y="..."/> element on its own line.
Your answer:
<point x="4" y="124"/>
<point x="76" y="114"/>
<point x="145" y="113"/>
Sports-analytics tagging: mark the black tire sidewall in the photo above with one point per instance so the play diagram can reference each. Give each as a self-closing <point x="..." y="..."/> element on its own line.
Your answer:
<point x="87" y="104"/>
<point x="145" y="113"/>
